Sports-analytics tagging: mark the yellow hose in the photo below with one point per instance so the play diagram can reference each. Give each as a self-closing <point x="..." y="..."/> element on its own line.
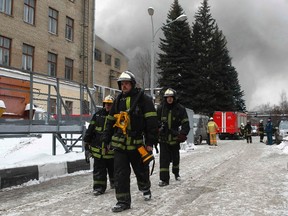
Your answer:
<point x="122" y="121"/>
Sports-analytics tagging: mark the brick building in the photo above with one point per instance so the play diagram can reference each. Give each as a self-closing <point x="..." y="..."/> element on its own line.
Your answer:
<point x="56" y="39"/>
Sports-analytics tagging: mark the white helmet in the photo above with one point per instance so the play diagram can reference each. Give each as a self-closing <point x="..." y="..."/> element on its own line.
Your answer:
<point x="170" y="93"/>
<point x="126" y="76"/>
<point x="211" y="119"/>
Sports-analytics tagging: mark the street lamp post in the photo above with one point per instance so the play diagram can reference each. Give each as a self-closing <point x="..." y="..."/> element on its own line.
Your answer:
<point x="151" y="12"/>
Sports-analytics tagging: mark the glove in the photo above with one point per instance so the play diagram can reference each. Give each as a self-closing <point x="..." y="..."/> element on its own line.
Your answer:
<point x="181" y="137"/>
<point x="87" y="153"/>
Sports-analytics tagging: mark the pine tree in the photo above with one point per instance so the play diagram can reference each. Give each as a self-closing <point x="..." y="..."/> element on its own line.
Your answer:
<point x="175" y="59"/>
<point x="218" y="85"/>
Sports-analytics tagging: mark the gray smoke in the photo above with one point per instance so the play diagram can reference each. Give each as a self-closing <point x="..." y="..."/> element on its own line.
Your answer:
<point x="256" y="32"/>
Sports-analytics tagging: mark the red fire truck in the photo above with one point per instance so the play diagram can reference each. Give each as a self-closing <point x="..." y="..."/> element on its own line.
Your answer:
<point x="229" y="123"/>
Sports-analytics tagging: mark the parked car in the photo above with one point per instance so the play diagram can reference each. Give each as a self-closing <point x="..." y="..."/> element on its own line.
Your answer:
<point x="281" y="131"/>
<point x="254" y="131"/>
<point x="200" y="128"/>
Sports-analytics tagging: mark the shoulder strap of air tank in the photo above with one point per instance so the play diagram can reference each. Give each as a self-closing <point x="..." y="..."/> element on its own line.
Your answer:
<point x="139" y="95"/>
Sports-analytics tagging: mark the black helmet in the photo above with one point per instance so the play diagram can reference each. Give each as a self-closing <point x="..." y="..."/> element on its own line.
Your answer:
<point x="126" y="76"/>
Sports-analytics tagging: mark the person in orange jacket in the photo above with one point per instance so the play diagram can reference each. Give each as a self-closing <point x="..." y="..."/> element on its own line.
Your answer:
<point x="212" y="129"/>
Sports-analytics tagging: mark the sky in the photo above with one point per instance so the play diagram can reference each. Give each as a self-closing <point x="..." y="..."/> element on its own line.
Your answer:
<point x="256" y="33"/>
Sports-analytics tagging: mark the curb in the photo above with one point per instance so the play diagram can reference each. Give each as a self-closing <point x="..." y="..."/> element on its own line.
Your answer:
<point x="17" y="176"/>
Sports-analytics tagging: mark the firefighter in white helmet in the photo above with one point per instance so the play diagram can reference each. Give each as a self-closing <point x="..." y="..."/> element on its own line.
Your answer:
<point x="131" y="126"/>
<point x="171" y="116"/>
<point x="94" y="147"/>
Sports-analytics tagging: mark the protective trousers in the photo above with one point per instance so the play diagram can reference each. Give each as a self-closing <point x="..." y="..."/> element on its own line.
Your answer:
<point x="122" y="171"/>
<point x="100" y="169"/>
<point x="261" y="133"/>
<point x="213" y="139"/>
<point x="168" y="154"/>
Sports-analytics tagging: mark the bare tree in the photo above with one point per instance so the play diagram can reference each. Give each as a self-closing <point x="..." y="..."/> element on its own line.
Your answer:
<point x="283" y="102"/>
<point x="141" y="67"/>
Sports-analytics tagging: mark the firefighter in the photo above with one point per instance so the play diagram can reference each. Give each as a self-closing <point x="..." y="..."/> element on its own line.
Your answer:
<point x="261" y="130"/>
<point x="242" y="132"/>
<point x="103" y="157"/>
<point x="248" y="132"/>
<point x="171" y="116"/>
<point x="132" y="120"/>
<point x="212" y="128"/>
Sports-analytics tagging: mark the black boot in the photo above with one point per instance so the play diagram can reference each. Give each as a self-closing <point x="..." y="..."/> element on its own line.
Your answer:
<point x="120" y="207"/>
<point x="163" y="183"/>
<point x="147" y="195"/>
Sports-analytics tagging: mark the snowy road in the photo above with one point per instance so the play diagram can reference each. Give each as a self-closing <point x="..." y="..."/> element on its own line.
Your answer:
<point x="233" y="179"/>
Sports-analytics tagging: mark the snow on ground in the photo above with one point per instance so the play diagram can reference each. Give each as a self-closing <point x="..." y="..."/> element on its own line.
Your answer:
<point x="26" y="151"/>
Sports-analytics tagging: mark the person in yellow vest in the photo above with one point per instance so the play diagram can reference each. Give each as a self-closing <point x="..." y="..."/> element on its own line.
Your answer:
<point x="132" y="128"/>
<point x="212" y="129"/>
<point x="94" y="147"/>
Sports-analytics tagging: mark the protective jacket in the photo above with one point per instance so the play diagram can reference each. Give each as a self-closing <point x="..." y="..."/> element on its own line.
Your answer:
<point x="261" y="128"/>
<point x="132" y="123"/>
<point x="212" y="127"/>
<point x="248" y="130"/>
<point x="170" y="118"/>
<point x="142" y="121"/>
<point x="94" y="134"/>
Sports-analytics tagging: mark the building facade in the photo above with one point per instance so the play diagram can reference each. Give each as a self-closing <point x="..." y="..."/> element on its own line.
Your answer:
<point x="48" y="37"/>
<point x="56" y="39"/>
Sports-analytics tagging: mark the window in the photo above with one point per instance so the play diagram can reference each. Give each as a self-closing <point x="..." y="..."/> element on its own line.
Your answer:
<point x="52" y="64"/>
<point x="6" y="6"/>
<point x="29" y="11"/>
<point x="5" y="44"/>
<point x="69" y="28"/>
<point x="68" y="69"/>
<point x="27" y="57"/>
<point x="97" y="55"/>
<point x="69" y="106"/>
<point x="107" y="59"/>
<point x="53" y="21"/>
<point x="53" y="106"/>
<point x="85" y="107"/>
<point x="117" y="63"/>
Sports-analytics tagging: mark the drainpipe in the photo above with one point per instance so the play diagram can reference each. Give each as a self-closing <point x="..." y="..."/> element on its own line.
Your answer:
<point x="93" y="43"/>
